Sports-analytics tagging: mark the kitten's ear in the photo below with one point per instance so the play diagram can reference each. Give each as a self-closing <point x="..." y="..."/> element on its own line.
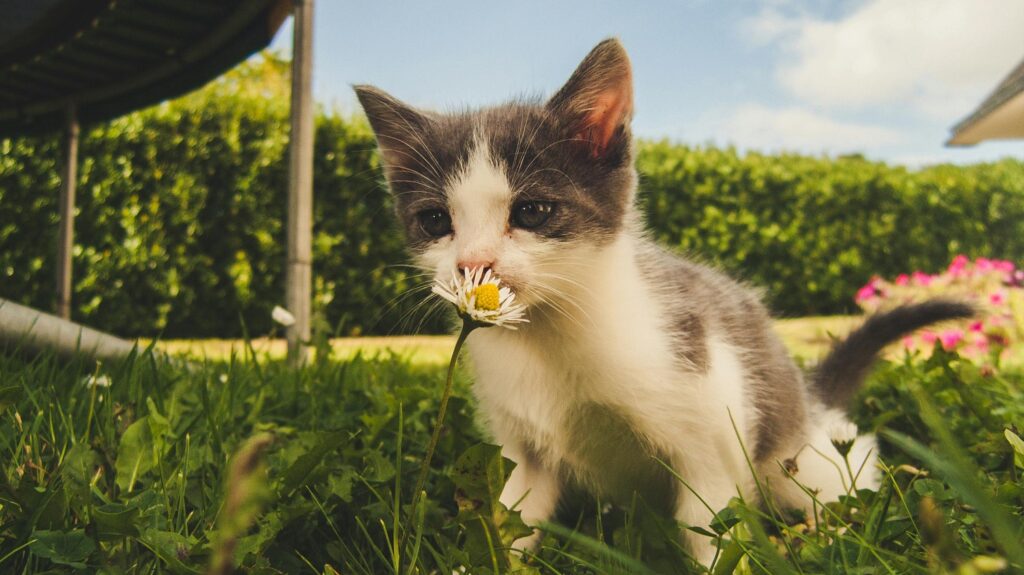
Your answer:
<point x="396" y="124"/>
<point x="598" y="98"/>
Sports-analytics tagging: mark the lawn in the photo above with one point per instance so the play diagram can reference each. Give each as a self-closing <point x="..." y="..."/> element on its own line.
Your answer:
<point x="807" y="338"/>
<point x="137" y="476"/>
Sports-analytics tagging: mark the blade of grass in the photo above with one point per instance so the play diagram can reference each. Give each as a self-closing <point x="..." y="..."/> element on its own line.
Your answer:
<point x="598" y="547"/>
<point x="962" y="475"/>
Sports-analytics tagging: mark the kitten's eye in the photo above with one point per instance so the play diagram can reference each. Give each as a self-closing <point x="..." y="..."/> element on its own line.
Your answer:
<point x="531" y="214"/>
<point x="436" y="223"/>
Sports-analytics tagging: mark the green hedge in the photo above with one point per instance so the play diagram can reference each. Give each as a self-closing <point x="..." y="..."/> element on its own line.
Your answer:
<point x="810" y="231"/>
<point x="179" y="228"/>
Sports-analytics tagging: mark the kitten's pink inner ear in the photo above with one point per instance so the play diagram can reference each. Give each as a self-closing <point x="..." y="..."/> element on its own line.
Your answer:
<point x="611" y="109"/>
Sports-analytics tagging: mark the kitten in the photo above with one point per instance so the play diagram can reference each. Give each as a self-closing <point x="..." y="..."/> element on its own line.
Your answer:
<point x="632" y="354"/>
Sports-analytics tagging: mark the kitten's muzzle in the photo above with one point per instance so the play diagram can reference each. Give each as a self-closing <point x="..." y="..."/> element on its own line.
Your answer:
<point x="464" y="265"/>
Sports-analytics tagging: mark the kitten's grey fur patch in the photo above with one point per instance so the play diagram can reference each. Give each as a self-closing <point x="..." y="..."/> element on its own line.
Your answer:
<point x="697" y="295"/>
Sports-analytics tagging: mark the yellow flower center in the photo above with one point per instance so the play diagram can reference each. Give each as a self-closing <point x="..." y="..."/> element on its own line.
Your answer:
<point x="487" y="297"/>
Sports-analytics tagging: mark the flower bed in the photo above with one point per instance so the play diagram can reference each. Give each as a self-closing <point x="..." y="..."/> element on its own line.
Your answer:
<point x="996" y="287"/>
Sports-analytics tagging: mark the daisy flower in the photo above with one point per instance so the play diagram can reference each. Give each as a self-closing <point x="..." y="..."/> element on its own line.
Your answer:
<point x="481" y="299"/>
<point x="842" y="434"/>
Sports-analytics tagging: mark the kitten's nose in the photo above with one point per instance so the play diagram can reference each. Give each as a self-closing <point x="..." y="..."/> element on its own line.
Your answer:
<point x="473" y="264"/>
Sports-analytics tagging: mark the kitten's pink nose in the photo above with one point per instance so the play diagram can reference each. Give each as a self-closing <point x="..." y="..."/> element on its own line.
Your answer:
<point x="473" y="264"/>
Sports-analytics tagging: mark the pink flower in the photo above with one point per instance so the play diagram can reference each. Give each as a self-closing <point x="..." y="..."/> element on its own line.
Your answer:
<point x="908" y="341"/>
<point x="928" y="337"/>
<point x="977" y="327"/>
<point x="866" y="293"/>
<point x="980" y="343"/>
<point x="951" y="338"/>
<point x="957" y="266"/>
<point x="984" y="264"/>
<point x="997" y="298"/>
<point x="1015" y="278"/>
<point x="922" y="279"/>
<point x="902" y="280"/>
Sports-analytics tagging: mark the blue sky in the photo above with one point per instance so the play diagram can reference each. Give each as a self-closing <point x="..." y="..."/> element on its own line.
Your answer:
<point x="886" y="78"/>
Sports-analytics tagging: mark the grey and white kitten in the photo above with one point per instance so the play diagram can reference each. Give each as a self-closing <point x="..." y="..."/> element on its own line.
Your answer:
<point x="632" y="354"/>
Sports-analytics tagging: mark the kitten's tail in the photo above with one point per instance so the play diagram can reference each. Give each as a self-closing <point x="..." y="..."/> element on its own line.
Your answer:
<point x="841" y="373"/>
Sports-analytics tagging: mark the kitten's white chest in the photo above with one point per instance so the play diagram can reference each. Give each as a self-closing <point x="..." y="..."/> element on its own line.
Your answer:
<point x="591" y="393"/>
<point x="573" y="409"/>
<point x="530" y="388"/>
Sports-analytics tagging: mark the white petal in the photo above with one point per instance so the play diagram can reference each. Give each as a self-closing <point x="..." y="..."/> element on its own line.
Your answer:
<point x="842" y="431"/>
<point x="282" y="316"/>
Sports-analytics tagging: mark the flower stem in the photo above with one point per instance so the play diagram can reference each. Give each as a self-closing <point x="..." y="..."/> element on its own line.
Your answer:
<point x="853" y="478"/>
<point x="467" y="326"/>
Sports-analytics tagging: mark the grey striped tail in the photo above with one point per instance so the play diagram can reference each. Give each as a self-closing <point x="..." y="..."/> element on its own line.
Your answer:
<point x="843" y="370"/>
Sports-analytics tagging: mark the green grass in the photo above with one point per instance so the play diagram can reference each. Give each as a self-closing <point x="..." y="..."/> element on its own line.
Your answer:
<point x="138" y="477"/>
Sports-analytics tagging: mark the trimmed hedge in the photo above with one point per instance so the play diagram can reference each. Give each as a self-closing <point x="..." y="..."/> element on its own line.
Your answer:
<point x="180" y="219"/>
<point x="179" y="227"/>
<point x="811" y="231"/>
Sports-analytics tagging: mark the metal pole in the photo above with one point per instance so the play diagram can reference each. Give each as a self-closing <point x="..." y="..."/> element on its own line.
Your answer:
<point x="298" y="277"/>
<point x="22" y="327"/>
<point x="65" y="243"/>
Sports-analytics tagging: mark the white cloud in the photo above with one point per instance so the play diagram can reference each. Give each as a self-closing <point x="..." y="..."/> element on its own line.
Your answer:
<point x="797" y="129"/>
<point x="772" y="25"/>
<point x="937" y="58"/>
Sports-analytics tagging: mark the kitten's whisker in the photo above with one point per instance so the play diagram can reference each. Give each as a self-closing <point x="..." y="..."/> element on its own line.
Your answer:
<point x="563" y="277"/>
<point x="400" y="298"/>
<point x="533" y="135"/>
<point x="436" y="304"/>
<point x="428" y="180"/>
<point x="408" y="317"/>
<point x="516" y="154"/>
<point x="423" y="272"/>
<point x="572" y="182"/>
<point x="573" y="320"/>
<point x="576" y="284"/>
<point x="437" y="178"/>
<point x="408" y="128"/>
<point x="552" y="298"/>
<point x="415" y="190"/>
<point x="544" y="149"/>
<point x="415" y="154"/>
<point x="567" y="296"/>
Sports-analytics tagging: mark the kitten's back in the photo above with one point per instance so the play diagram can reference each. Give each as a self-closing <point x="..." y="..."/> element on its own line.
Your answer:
<point x="706" y="305"/>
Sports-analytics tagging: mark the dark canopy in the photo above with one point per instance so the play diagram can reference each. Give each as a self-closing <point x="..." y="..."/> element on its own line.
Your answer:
<point x="113" y="56"/>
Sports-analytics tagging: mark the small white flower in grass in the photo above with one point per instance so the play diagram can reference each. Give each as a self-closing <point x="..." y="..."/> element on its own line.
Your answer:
<point x="842" y="433"/>
<point x="282" y="316"/>
<point x="97" y="381"/>
<point x="480" y="298"/>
